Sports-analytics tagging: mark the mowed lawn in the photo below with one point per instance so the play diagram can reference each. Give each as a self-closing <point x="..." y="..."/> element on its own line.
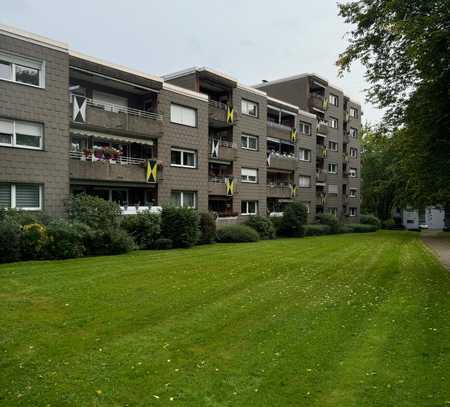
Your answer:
<point x="347" y="320"/>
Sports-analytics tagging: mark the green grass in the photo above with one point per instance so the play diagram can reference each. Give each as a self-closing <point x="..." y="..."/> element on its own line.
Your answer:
<point x="347" y="320"/>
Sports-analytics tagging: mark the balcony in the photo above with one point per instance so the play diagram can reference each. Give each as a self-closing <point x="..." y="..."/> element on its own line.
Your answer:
<point x="106" y="116"/>
<point x="318" y="102"/>
<point x="321" y="176"/>
<point x="321" y="152"/>
<point x="346" y="137"/>
<point x="125" y="169"/>
<point x="279" y="131"/>
<point x="281" y="161"/>
<point x="227" y="151"/>
<point x="278" y="191"/>
<point x="322" y="127"/>
<point x="321" y="198"/>
<point x="216" y="186"/>
<point x="220" y="114"/>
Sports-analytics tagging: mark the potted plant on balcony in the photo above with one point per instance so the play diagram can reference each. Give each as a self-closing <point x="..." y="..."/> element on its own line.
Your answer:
<point x="86" y="154"/>
<point x="98" y="153"/>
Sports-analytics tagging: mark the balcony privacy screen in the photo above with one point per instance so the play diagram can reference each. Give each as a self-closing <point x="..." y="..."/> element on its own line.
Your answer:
<point x="27" y="196"/>
<point x="5" y="195"/>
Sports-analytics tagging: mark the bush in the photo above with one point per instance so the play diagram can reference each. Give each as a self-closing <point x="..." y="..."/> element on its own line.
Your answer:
<point x="330" y="220"/>
<point x="316" y="230"/>
<point x="263" y="226"/>
<point x="181" y="225"/>
<point x="370" y="220"/>
<point x="163" y="244"/>
<point x="293" y="219"/>
<point x="144" y="227"/>
<point x="68" y="240"/>
<point x="24" y="217"/>
<point x="33" y="241"/>
<point x="94" y="212"/>
<point x="10" y="237"/>
<point x="360" y="228"/>
<point x="207" y="228"/>
<point x="113" y="241"/>
<point x="237" y="234"/>
<point x="276" y="222"/>
<point x="345" y="229"/>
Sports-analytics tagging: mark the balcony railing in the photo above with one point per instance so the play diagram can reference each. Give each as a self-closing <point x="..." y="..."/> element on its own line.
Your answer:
<point x="278" y="126"/>
<point x="78" y="155"/>
<point x="218" y="179"/>
<point x="218" y="105"/>
<point x="321" y="176"/>
<point x="322" y="127"/>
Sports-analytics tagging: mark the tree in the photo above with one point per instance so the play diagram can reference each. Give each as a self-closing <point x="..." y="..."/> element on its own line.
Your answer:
<point x="404" y="46"/>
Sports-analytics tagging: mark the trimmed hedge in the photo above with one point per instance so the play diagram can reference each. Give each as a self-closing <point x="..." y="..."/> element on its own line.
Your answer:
<point x="316" y="230"/>
<point x="144" y="227"/>
<point x="236" y="234"/>
<point x="181" y="225"/>
<point x="370" y="220"/>
<point x="207" y="228"/>
<point x="293" y="219"/>
<point x="360" y="228"/>
<point x="263" y="226"/>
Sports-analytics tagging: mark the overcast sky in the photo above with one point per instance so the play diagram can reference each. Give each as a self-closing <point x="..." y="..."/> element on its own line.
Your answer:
<point x="248" y="39"/>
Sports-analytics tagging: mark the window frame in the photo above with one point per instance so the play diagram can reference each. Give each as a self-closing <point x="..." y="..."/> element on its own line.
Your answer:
<point x="332" y="172"/>
<point x="184" y="107"/>
<point x="353" y="211"/>
<point x="13" y="195"/>
<point x="353" y="132"/>
<point x="330" y="122"/>
<point x="25" y="62"/>
<point x="334" y="143"/>
<point x="182" y="192"/>
<point x="305" y="150"/>
<point x="246" y="180"/>
<point x="14" y="135"/>
<point x="248" y="137"/>
<point x="332" y="96"/>
<point x="353" y="152"/>
<point x="353" y="172"/>
<point x="246" y="202"/>
<point x="304" y="177"/>
<point x="246" y="101"/>
<point x="184" y="151"/>
<point x="303" y="125"/>
<point x="354" y="113"/>
<point x="352" y="192"/>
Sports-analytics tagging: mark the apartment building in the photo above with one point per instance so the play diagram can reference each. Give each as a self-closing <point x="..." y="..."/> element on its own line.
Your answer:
<point x="70" y="123"/>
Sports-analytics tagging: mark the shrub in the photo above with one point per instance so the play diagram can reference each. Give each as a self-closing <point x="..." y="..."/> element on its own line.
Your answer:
<point x="316" y="230"/>
<point x="330" y="220"/>
<point x="276" y="222"/>
<point x="393" y="224"/>
<point x="360" y="228"/>
<point x="144" y="227"/>
<point x="24" y="217"/>
<point x="370" y="220"/>
<point x="113" y="241"/>
<point x="207" y="228"/>
<point x="181" y="225"/>
<point x="68" y="240"/>
<point x="263" y="226"/>
<point x="163" y="244"/>
<point x="293" y="219"/>
<point x="237" y="234"/>
<point x="345" y="229"/>
<point x="94" y="212"/>
<point x="33" y="241"/>
<point x="10" y="237"/>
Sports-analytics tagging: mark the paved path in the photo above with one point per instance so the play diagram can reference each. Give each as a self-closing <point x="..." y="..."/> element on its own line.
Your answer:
<point x="439" y="244"/>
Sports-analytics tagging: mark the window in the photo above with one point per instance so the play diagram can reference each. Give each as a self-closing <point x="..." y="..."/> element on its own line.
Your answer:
<point x="332" y="189"/>
<point x="352" y="193"/>
<point x="249" y="142"/>
<point x="353" y="152"/>
<point x="332" y="211"/>
<point x="187" y="116"/>
<point x="304" y="154"/>
<point x="353" y="172"/>
<point x="249" y="175"/>
<point x="353" y="132"/>
<point x="353" y="211"/>
<point x="332" y="168"/>
<point x="333" y="146"/>
<point x="21" y="70"/>
<point x="333" y="100"/>
<point x="15" y="133"/>
<point x="184" y="199"/>
<point x="249" y="207"/>
<point x="249" y="108"/>
<point x="304" y="181"/>
<point x="183" y="158"/>
<point x="21" y="196"/>
<point x="333" y="122"/>
<point x="305" y="128"/>
<point x="353" y="112"/>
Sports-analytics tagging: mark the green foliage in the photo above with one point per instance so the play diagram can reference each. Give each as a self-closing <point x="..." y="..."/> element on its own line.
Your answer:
<point x="33" y="241"/>
<point x="144" y="227"/>
<point x="276" y="222"/>
<point x="24" y="217"/>
<point x="10" y="237"/>
<point x="113" y="241"/>
<point x="330" y="220"/>
<point x="163" y="244"/>
<point x="370" y="220"/>
<point x="68" y="239"/>
<point x="293" y="219"/>
<point x="393" y="224"/>
<point x="263" y="226"/>
<point x="236" y="234"/>
<point x="207" y="228"/>
<point x="94" y="212"/>
<point x="316" y="230"/>
<point x="181" y="225"/>
<point x="360" y="228"/>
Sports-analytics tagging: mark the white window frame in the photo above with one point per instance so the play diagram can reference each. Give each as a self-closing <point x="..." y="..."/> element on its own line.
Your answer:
<point x="247" y="138"/>
<point x="13" y="204"/>
<point x="334" y="143"/>
<point x="354" y="112"/>
<point x="353" y="172"/>
<point x="182" y="198"/>
<point x="353" y="132"/>
<point x="353" y="211"/>
<point x="303" y="153"/>
<point x="247" y="213"/>
<point x="245" y="110"/>
<point x="302" y="126"/>
<point x="353" y="152"/>
<point x="335" y="190"/>
<point x="333" y="123"/>
<point x="182" y="122"/>
<point x="183" y="151"/>
<point x="332" y="97"/>
<point x="14" y="138"/>
<point x="304" y="177"/>
<point x="330" y="166"/>
<point x="353" y="192"/>
<point x="25" y="62"/>
<point x="245" y="177"/>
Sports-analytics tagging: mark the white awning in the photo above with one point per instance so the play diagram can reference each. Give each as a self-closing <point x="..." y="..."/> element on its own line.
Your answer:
<point x="112" y="137"/>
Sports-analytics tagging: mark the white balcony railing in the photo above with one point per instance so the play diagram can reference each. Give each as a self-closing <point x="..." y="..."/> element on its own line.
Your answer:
<point x="78" y="155"/>
<point x="224" y="143"/>
<point x="278" y="126"/>
<point x="218" y="105"/>
<point x="275" y="154"/>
